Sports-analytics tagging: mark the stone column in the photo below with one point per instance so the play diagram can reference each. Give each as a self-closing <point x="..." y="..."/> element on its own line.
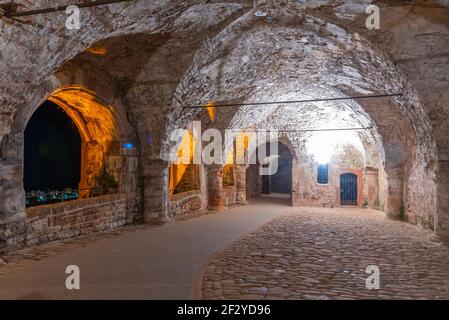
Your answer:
<point x="156" y="174"/>
<point x="441" y="228"/>
<point x="394" y="201"/>
<point x="215" y="187"/>
<point x="12" y="193"/>
<point x="372" y="186"/>
<point x="294" y="200"/>
<point x="240" y="183"/>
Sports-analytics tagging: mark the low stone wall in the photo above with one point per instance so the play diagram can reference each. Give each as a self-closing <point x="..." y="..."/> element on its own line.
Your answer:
<point x="323" y="195"/>
<point x="186" y="204"/>
<point x="69" y="219"/>
<point x="229" y="196"/>
<point x="73" y="218"/>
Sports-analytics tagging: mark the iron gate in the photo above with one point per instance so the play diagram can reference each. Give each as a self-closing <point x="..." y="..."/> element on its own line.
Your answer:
<point x="348" y="189"/>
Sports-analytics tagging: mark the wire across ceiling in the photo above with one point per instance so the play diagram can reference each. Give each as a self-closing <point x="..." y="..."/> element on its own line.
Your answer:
<point x="264" y="103"/>
<point x="303" y="130"/>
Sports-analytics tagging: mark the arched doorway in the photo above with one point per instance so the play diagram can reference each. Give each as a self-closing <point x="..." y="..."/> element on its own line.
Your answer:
<point x="348" y="189"/>
<point x="281" y="181"/>
<point x="52" y="155"/>
<point x="277" y="185"/>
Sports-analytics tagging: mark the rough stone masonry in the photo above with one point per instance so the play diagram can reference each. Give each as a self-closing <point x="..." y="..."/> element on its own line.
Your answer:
<point x="142" y="62"/>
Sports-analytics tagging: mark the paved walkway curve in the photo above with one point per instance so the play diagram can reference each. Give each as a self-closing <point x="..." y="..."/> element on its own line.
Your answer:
<point x="153" y="263"/>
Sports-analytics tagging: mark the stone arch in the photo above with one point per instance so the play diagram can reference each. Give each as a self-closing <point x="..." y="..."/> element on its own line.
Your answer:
<point x="297" y="55"/>
<point x="255" y="181"/>
<point x="108" y="142"/>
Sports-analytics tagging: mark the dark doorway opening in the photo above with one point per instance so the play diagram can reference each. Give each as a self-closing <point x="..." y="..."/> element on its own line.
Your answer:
<point x="281" y="181"/>
<point x="348" y="189"/>
<point x="52" y="152"/>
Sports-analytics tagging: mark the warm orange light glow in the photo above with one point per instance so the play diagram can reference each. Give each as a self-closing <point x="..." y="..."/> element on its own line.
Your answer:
<point x="230" y="157"/>
<point x="228" y="175"/>
<point x="246" y="138"/>
<point x="210" y="107"/>
<point x="187" y="143"/>
<point x="93" y="119"/>
<point x="243" y="138"/>
<point x="98" y="51"/>
<point x="186" y="174"/>
<point x="96" y="124"/>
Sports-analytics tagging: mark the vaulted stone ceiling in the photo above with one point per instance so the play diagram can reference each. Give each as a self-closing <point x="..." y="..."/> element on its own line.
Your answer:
<point x="142" y="52"/>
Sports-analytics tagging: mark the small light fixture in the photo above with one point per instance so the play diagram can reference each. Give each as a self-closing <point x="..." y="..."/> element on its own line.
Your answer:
<point x="97" y="51"/>
<point x="260" y="13"/>
<point x="128" y="145"/>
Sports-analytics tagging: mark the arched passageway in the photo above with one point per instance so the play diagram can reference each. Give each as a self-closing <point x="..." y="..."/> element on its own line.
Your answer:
<point x="281" y="181"/>
<point x="271" y="184"/>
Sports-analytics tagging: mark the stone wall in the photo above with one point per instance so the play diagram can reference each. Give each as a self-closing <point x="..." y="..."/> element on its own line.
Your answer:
<point x="346" y="159"/>
<point x="229" y="196"/>
<point x="253" y="182"/>
<point x="12" y="234"/>
<point x="69" y="219"/>
<point x="383" y="185"/>
<point x="186" y="204"/>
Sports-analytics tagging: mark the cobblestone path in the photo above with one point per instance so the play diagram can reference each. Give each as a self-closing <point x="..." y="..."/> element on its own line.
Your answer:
<point x="323" y="254"/>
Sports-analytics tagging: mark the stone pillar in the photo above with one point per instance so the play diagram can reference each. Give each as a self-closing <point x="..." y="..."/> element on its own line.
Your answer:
<point x="441" y="229"/>
<point x="372" y="186"/>
<point x="156" y="174"/>
<point x="215" y="187"/>
<point x="394" y="201"/>
<point x="240" y="183"/>
<point x="294" y="196"/>
<point x="12" y="193"/>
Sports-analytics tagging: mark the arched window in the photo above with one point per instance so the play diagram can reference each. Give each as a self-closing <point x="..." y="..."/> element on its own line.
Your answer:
<point x="52" y="161"/>
<point x="71" y="148"/>
<point x="323" y="173"/>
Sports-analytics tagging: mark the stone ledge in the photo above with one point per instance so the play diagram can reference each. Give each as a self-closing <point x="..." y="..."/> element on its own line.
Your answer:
<point x="68" y="206"/>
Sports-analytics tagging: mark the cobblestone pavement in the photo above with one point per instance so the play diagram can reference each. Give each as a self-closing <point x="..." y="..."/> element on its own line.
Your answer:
<point x="323" y="254"/>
